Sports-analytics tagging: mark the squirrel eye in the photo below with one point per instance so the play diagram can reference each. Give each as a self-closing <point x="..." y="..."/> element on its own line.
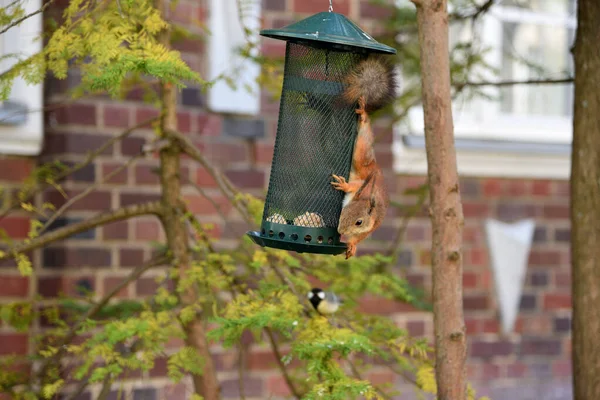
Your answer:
<point x="359" y="222"/>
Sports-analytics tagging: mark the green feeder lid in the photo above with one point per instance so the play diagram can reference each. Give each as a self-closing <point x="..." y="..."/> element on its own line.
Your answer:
<point x="329" y="27"/>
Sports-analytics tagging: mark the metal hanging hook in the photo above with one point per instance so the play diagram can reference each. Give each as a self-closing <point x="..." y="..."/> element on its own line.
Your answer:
<point x="330" y="5"/>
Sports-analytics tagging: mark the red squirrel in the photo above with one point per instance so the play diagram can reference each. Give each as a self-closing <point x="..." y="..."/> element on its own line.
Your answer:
<point x="372" y="85"/>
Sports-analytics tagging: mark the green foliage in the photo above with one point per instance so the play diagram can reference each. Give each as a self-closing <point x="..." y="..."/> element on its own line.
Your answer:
<point x="246" y="289"/>
<point x="184" y="361"/>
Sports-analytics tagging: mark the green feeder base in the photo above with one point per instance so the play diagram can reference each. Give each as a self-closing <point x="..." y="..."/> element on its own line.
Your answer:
<point x="297" y="247"/>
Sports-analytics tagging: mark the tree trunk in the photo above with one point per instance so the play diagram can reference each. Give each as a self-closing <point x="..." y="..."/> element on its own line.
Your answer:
<point x="446" y="209"/>
<point x="205" y="385"/>
<point x="585" y="204"/>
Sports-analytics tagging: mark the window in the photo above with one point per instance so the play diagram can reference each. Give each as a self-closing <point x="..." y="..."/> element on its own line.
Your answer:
<point x="512" y="131"/>
<point x="21" y="117"/>
<point x="228" y="18"/>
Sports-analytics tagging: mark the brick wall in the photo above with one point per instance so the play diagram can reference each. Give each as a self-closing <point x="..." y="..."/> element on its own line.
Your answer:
<point x="515" y="366"/>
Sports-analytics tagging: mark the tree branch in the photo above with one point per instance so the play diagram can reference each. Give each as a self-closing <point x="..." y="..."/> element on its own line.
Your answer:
<point x="549" y="81"/>
<point x="23" y="18"/>
<point x="88" y="160"/>
<point x="288" y="379"/>
<point x="87" y="191"/>
<point x="227" y="188"/>
<point x="73" y="229"/>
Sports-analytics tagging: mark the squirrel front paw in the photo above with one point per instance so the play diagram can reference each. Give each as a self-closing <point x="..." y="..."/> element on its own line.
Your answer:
<point x="340" y="183"/>
<point x="350" y="250"/>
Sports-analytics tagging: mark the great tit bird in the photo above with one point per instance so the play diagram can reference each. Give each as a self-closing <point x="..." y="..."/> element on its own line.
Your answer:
<point x="325" y="303"/>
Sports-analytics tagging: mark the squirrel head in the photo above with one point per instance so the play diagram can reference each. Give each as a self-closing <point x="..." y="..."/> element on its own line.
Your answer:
<point x="357" y="217"/>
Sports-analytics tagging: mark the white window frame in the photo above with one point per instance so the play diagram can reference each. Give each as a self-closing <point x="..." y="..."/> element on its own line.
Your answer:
<point x="21" y="115"/>
<point x="226" y="37"/>
<point x="486" y="122"/>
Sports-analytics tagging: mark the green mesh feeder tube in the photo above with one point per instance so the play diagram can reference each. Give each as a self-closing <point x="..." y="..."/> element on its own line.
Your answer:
<point x="315" y="134"/>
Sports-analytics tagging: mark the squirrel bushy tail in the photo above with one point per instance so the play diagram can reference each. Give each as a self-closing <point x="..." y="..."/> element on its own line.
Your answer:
<point x="374" y="79"/>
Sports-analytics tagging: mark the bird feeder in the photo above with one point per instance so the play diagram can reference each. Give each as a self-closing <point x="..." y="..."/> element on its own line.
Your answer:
<point x="315" y="133"/>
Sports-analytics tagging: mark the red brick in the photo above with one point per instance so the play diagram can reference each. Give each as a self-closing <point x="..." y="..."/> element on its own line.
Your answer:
<point x="315" y="6"/>
<point x="204" y="179"/>
<point x="116" y="116"/>
<point x="132" y="146"/>
<point x="517" y="187"/>
<point x="128" y="199"/>
<point x="540" y="346"/>
<point x="261" y="360"/>
<point x="473" y="325"/>
<point x="490" y="371"/>
<point x="253" y="387"/>
<point x="210" y="124"/>
<point x="491" y="326"/>
<point x="227" y="153"/>
<point x="475" y="302"/>
<point x="516" y="370"/>
<point x="247" y="179"/>
<point x="376" y="11"/>
<point x="537" y="324"/>
<point x="556" y="211"/>
<point x="15" y="169"/>
<point x="75" y="143"/>
<point x="476" y="257"/>
<point x="264" y="153"/>
<point x="416" y="233"/>
<point x="55" y="286"/>
<point x="475" y="209"/>
<point x="14" y="286"/>
<point x="273" y="50"/>
<point x="489" y="349"/>
<point x="554" y="301"/>
<point x="469" y="280"/>
<point x="540" y="188"/>
<point x="146" y="286"/>
<point x="183" y="13"/>
<point x="492" y="187"/>
<point x="147" y="230"/>
<point x="562" y="368"/>
<point x="198" y="204"/>
<point x="120" y="177"/>
<point x="562" y="279"/>
<point x="376" y="305"/>
<point x="80" y="114"/>
<point x="415" y="328"/>
<point x="381" y="378"/>
<point x="94" y="201"/>
<point x="545" y="257"/>
<point x="184" y="122"/>
<point x="385" y="158"/>
<point x="13" y="343"/>
<point x="276" y="386"/>
<point x="143" y="114"/>
<point x="131" y="257"/>
<point x="79" y="257"/>
<point x="562" y="189"/>
<point x="15" y="227"/>
<point x="115" y="230"/>
<point x="159" y="368"/>
<point x="111" y="283"/>
<point x="146" y="175"/>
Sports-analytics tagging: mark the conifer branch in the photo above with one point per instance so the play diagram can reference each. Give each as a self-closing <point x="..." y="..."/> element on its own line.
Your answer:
<point x="23" y="18"/>
<point x="90" y="313"/>
<point x="73" y="229"/>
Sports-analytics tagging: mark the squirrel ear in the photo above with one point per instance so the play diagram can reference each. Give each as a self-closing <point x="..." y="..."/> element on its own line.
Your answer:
<point x="372" y="205"/>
